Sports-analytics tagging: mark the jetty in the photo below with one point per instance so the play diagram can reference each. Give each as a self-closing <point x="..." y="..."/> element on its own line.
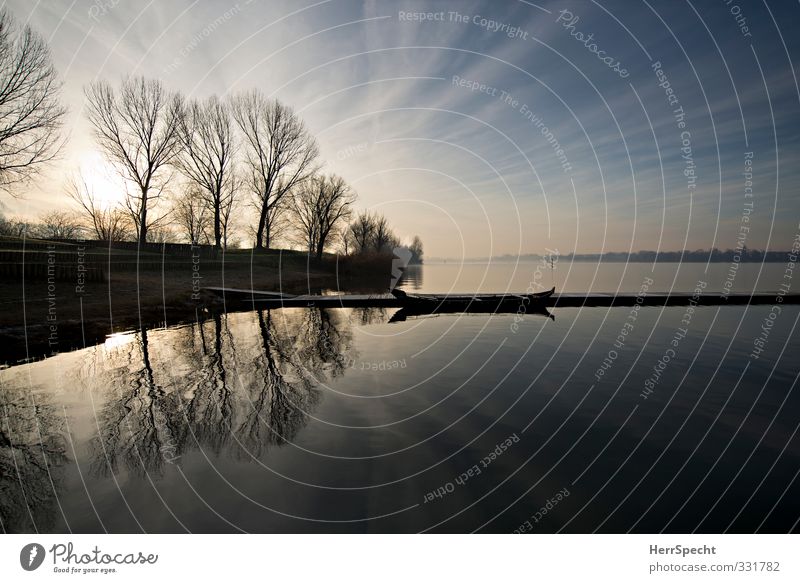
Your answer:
<point x="502" y="302"/>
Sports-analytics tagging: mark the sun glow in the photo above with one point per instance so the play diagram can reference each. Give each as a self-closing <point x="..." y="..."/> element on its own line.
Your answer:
<point x="102" y="180"/>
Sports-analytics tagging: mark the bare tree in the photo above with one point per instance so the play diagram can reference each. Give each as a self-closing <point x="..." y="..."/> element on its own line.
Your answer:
<point x="207" y="156"/>
<point x="361" y="232"/>
<point x="59" y="225"/>
<point x="280" y="155"/>
<point x="31" y="115"/>
<point x="321" y="205"/>
<point x="416" y="250"/>
<point x="278" y="221"/>
<point x="108" y="223"/>
<point x="192" y="216"/>
<point x="162" y="233"/>
<point x="383" y="239"/>
<point x="16" y="227"/>
<point x="138" y="129"/>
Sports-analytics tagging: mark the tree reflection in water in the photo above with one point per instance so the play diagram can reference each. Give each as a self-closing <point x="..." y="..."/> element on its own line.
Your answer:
<point x="367" y="316"/>
<point x="32" y="459"/>
<point x="237" y="383"/>
<point x="134" y="421"/>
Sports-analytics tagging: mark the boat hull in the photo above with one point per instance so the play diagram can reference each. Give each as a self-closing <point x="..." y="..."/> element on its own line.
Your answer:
<point x="417" y="305"/>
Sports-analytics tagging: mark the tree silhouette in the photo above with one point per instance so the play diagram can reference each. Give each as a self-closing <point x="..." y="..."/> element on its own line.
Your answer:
<point x="32" y="457"/>
<point x="138" y="129"/>
<point x="31" y="115"/>
<point x="280" y="154"/>
<point x="207" y="157"/>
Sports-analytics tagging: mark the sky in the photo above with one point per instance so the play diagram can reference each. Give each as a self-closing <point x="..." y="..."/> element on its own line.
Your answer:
<point x="487" y="128"/>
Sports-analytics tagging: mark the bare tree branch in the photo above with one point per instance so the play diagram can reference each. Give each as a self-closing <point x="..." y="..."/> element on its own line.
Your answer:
<point x="361" y="232"/>
<point x="280" y="155"/>
<point x="193" y="217"/>
<point x="383" y="239"/>
<point x="108" y="224"/>
<point x="16" y="227"/>
<point x="229" y="202"/>
<point x="207" y="157"/>
<point x="321" y="205"/>
<point x="59" y="225"/>
<point x="31" y="115"/>
<point x="138" y="129"/>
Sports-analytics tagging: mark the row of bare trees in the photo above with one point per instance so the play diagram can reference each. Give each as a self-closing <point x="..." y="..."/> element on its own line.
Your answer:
<point x="54" y="224"/>
<point x="280" y="155"/>
<point x="248" y="143"/>
<point x="369" y="232"/>
<point x="198" y="164"/>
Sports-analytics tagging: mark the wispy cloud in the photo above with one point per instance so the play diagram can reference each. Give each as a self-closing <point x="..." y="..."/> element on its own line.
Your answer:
<point x="448" y="162"/>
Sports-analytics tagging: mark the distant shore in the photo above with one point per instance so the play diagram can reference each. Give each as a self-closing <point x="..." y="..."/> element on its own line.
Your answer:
<point x="701" y="256"/>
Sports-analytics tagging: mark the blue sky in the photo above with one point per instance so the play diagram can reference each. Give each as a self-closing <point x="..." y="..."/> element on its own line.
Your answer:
<point x="468" y="170"/>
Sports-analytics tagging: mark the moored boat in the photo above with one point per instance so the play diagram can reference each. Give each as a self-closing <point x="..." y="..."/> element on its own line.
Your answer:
<point x="422" y="304"/>
<point x="478" y="301"/>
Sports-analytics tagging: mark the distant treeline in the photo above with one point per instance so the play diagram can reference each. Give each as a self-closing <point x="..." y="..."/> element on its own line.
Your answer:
<point x="743" y="255"/>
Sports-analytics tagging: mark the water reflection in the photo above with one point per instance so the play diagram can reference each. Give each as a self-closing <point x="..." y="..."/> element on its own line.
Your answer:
<point x="32" y="460"/>
<point x="412" y="277"/>
<point x="237" y="383"/>
<point x="165" y="430"/>
<point x="280" y="397"/>
<point x="135" y="424"/>
<point x="242" y="383"/>
<point x="366" y="316"/>
<point x="434" y="309"/>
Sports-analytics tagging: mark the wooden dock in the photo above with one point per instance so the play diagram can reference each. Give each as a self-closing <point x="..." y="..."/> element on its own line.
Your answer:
<point x="265" y="300"/>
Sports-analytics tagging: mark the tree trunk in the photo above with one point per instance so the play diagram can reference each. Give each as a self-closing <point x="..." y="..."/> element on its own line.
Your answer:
<point x="217" y="228"/>
<point x="143" y="222"/>
<point x="323" y="237"/>
<point x="260" y="232"/>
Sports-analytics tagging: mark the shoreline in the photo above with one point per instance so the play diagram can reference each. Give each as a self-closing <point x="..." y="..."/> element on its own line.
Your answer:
<point x="48" y="314"/>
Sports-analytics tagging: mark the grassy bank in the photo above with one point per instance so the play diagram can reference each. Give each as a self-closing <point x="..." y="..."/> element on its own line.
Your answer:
<point x="59" y="296"/>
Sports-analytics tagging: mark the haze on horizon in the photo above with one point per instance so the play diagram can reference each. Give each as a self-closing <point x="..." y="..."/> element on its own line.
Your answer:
<point x="439" y="123"/>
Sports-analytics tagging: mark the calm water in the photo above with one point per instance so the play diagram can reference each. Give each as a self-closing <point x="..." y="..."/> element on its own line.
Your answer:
<point x="310" y="420"/>
<point x="590" y="277"/>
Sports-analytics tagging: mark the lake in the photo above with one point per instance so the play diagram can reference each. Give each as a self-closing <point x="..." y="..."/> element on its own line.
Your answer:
<point x="308" y="420"/>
